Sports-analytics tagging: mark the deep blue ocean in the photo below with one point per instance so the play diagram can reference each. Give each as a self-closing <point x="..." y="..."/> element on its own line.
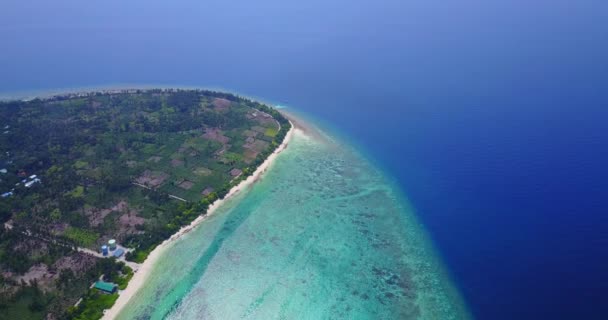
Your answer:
<point x="491" y="115"/>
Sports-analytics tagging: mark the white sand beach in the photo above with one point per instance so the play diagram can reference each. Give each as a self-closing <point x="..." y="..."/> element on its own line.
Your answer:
<point x="146" y="267"/>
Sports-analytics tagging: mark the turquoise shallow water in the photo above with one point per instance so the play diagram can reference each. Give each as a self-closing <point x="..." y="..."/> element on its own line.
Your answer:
<point x="322" y="236"/>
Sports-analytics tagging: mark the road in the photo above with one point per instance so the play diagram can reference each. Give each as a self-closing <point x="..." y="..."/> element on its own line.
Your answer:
<point x="132" y="265"/>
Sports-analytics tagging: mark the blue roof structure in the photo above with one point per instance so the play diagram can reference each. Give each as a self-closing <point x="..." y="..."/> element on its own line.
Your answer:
<point x="107" y="287"/>
<point x="118" y="253"/>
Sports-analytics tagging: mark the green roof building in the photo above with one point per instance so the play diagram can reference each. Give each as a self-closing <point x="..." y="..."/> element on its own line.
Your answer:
<point x="106" y="287"/>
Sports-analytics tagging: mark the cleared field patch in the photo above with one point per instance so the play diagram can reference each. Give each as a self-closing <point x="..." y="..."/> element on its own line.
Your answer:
<point x="186" y="184"/>
<point x="202" y="171"/>
<point x="249" y="156"/>
<point x="271" y="132"/>
<point x="260" y="145"/>
<point x="207" y="191"/>
<point x="250" y="133"/>
<point x="152" y="179"/>
<point x="177" y="163"/>
<point x="236" y="172"/>
<point x="265" y="121"/>
<point x="221" y="104"/>
<point x="85" y="238"/>
<point x="215" y="134"/>
<point x="129" y="222"/>
<point x="96" y="215"/>
<point x="204" y="143"/>
<point x="258" y="129"/>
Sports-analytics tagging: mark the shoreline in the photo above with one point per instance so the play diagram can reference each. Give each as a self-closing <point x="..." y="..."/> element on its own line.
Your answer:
<point x="146" y="267"/>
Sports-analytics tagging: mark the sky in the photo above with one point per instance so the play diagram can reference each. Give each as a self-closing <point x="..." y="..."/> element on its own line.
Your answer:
<point x="489" y="114"/>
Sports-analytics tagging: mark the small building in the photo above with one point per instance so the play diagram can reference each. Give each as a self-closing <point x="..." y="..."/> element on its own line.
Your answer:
<point x="104" y="250"/>
<point x="112" y="244"/>
<point x="7" y="194"/>
<point x="3" y="171"/>
<point x="33" y="176"/>
<point x="106" y="287"/>
<point x="118" y="253"/>
<point x="31" y="183"/>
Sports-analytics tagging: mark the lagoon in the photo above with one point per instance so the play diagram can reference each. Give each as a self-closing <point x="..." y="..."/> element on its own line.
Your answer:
<point x="322" y="235"/>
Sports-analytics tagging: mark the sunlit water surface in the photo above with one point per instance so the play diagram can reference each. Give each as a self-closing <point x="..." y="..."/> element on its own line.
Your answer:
<point x="322" y="236"/>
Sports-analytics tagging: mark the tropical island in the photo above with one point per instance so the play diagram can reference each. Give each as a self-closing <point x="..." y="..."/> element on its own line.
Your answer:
<point x="91" y="183"/>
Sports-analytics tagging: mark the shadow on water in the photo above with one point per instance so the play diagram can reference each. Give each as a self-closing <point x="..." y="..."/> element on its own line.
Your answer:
<point x="185" y="285"/>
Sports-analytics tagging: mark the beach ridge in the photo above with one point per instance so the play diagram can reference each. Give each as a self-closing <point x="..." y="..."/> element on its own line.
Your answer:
<point x="146" y="267"/>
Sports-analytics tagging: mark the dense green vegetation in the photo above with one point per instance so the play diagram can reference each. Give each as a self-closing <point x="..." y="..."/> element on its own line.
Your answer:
<point x="57" y="295"/>
<point x="77" y="170"/>
<point x="92" y="305"/>
<point x="94" y="302"/>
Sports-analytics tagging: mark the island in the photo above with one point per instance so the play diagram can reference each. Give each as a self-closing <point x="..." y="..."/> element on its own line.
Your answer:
<point x="92" y="182"/>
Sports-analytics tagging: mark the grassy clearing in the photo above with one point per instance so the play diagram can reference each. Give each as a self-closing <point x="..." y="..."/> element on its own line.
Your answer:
<point x="140" y="256"/>
<point x="82" y="237"/>
<point x="271" y="132"/>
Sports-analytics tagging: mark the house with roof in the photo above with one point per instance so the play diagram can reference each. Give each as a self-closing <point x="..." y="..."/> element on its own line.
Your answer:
<point x="31" y="183"/>
<point x="106" y="287"/>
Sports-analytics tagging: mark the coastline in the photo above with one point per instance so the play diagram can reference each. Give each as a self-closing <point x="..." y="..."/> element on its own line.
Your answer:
<point x="146" y="267"/>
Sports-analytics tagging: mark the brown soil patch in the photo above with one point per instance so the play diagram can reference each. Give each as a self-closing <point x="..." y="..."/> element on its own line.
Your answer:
<point x="259" y="129"/>
<point x="250" y="155"/>
<point x="186" y="184"/>
<point x="250" y="133"/>
<point x="207" y="191"/>
<point x="32" y="247"/>
<point x="221" y="103"/>
<point x="39" y="273"/>
<point x="77" y="262"/>
<point x="129" y="222"/>
<point x="215" y="134"/>
<point x="152" y="179"/>
<point x="120" y="206"/>
<point x="236" y="172"/>
<point x="260" y="145"/>
<point x="177" y="163"/>
<point x="96" y="216"/>
<point x="265" y="121"/>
